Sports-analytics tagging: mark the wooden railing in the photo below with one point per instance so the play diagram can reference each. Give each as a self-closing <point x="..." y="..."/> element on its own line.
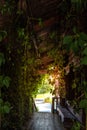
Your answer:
<point x="65" y="113"/>
<point x="34" y="108"/>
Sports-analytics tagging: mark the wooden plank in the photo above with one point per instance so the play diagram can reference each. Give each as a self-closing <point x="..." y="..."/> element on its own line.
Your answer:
<point x="45" y="121"/>
<point x="46" y="23"/>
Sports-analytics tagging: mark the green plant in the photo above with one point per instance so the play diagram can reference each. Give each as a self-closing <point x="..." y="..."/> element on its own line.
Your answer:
<point x="21" y="58"/>
<point x="4" y="83"/>
<point x="76" y="126"/>
<point x="6" y="7"/>
<point x="77" y="43"/>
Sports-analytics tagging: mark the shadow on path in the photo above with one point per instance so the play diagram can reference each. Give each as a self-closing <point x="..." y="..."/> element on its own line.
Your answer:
<point x="45" y="121"/>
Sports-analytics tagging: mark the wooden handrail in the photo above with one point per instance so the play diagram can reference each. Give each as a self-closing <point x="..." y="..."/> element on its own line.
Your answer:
<point x="34" y="108"/>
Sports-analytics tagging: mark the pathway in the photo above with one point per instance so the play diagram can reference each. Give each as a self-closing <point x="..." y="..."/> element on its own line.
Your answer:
<point x="45" y="121"/>
<point x="44" y="107"/>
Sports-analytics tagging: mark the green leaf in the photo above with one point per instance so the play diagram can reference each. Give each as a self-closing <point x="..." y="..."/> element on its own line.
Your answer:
<point x="84" y="60"/>
<point x="83" y="36"/>
<point x="74" y="46"/>
<point x="83" y="103"/>
<point x="3" y="34"/>
<point x="85" y="51"/>
<point x="81" y="44"/>
<point x="74" y="85"/>
<point x="67" y="40"/>
<point x="6" y="109"/>
<point x="6" y="81"/>
<point x="74" y="30"/>
<point x="76" y="126"/>
<point x="21" y="32"/>
<point x="31" y="61"/>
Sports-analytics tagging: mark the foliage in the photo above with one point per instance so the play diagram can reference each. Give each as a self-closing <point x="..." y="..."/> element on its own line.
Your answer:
<point x="4" y="107"/>
<point x="45" y="86"/>
<point x="83" y="104"/>
<point x="7" y="7"/>
<point x="3" y="34"/>
<point x="76" y="126"/>
<point x="21" y="58"/>
<point x="4" y="82"/>
<point x="58" y="57"/>
<point x="77" y="43"/>
<point x="79" y="4"/>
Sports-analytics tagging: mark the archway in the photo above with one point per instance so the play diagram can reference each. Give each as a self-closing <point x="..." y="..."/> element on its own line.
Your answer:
<point x="41" y="37"/>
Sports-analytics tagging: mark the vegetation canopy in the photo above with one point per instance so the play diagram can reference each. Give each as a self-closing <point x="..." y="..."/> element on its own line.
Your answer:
<point x="35" y="44"/>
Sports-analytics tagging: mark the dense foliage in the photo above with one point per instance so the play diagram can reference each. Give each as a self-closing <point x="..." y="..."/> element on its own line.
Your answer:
<point x="19" y="63"/>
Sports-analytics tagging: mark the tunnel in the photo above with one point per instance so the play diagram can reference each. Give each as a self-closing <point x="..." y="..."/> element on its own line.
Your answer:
<point x="43" y="60"/>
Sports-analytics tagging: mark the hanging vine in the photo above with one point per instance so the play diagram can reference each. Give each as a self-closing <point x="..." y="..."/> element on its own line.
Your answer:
<point x="19" y="53"/>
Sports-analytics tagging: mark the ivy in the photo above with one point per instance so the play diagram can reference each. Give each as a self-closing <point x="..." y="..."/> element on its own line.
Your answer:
<point x="4" y="107"/>
<point x="76" y="126"/>
<point x="83" y="104"/>
<point x="68" y="40"/>
<point x="79" y="4"/>
<point x="83" y="36"/>
<point x="21" y="32"/>
<point x="76" y="43"/>
<point x="4" y="82"/>
<point x="3" y="34"/>
<point x="84" y="60"/>
<point x="7" y="7"/>
<point x="24" y="73"/>
<point x="85" y="51"/>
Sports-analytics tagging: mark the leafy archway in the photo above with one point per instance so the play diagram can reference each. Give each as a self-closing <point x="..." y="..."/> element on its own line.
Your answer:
<point x="27" y="55"/>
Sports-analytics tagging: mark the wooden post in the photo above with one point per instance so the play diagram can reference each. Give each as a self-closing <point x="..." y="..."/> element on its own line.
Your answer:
<point x="54" y="104"/>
